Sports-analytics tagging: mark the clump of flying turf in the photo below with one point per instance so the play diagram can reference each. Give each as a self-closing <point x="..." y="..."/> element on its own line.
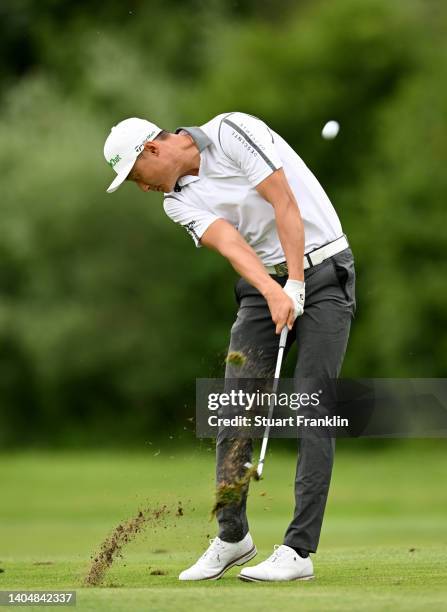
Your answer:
<point x="123" y="534"/>
<point x="236" y="358"/>
<point x="236" y="476"/>
<point x="231" y="493"/>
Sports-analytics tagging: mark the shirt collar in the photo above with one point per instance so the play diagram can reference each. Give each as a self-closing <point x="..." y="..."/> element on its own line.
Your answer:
<point x="202" y="141"/>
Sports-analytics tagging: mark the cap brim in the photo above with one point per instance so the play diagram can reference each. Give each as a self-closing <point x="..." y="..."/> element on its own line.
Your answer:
<point x="121" y="176"/>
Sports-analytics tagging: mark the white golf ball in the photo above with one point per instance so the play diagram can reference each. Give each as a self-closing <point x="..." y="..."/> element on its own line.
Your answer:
<point x="330" y="130"/>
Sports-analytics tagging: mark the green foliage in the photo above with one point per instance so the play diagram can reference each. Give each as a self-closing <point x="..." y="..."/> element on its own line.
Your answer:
<point x="107" y="311"/>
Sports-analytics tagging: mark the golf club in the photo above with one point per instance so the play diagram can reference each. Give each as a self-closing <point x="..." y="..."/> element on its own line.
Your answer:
<point x="265" y="439"/>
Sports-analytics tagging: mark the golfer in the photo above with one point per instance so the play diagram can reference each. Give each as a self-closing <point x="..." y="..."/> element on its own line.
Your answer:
<point x="237" y="187"/>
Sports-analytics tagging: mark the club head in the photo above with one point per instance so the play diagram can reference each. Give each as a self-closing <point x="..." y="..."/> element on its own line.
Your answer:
<point x="256" y="474"/>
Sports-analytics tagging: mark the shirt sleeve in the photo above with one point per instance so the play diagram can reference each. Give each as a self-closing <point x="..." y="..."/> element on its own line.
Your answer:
<point x="195" y="220"/>
<point x="249" y="143"/>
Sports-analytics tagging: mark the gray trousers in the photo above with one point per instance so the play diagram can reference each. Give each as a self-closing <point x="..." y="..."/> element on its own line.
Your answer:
<point x="322" y="335"/>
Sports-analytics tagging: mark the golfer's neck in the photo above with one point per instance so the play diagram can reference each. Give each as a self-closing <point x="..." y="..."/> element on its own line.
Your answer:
<point x="190" y="161"/>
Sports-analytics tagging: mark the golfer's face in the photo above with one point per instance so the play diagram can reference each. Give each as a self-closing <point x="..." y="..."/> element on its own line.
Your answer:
<point x="153" y="172"/>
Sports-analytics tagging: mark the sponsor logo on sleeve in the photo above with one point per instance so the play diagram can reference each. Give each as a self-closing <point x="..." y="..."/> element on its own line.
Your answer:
<point x="190" y="228"/>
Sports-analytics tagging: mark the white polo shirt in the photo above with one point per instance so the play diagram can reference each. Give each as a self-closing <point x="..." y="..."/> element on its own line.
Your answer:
<point x="237" y="152"/>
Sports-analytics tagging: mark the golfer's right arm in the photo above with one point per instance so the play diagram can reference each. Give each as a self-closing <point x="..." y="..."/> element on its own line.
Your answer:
<point x="224" y="238"/>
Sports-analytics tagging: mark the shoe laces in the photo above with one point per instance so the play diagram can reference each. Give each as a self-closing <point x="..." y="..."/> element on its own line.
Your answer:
<point x="278" y="551"/>
<point x="215" y="544"/>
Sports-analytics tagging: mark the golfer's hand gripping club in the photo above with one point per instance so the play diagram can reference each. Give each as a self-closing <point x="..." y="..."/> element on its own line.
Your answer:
<point x="285" y="303"/>
<point x="296" y="290"/>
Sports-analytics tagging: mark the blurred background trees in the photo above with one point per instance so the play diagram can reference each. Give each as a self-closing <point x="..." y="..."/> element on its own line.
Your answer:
<point x="107" y="312"/>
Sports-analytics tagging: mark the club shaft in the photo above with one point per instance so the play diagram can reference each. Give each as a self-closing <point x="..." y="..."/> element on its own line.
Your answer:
<point x="265" y="439"/>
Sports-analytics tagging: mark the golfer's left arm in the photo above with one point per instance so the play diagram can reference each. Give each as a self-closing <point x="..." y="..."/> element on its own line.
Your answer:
<point x="276" y="190"/>
<point x="251" y="145"/>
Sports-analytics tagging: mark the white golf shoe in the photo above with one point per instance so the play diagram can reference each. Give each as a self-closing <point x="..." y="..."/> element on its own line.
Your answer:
<point x="283" y="564"/>
<point x="219" y="557"/>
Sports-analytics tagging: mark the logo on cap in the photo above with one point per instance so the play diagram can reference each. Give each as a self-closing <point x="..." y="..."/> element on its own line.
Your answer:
<point x="112" y="162"/>
<point x="140" y="147"/>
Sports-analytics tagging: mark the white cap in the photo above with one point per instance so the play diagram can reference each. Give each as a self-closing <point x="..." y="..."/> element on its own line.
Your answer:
<point x="123" y="145"/>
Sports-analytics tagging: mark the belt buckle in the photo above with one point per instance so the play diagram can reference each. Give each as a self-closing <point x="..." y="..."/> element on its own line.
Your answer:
<point x="281" y="269"/>
<point x="318" y="256"/>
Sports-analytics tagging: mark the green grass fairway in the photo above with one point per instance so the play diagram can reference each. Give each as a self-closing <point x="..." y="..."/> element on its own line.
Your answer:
<point x="383" y="547"/>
